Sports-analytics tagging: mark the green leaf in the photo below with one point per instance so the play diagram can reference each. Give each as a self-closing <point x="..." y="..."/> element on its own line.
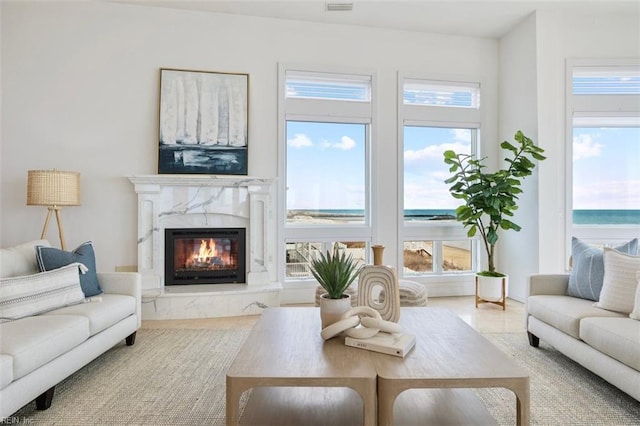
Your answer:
<point x="494" y="194"/>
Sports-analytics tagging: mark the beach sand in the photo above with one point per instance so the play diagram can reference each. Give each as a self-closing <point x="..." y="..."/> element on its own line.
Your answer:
<point x="418" y="256"/>
<point x="455" y="259"/>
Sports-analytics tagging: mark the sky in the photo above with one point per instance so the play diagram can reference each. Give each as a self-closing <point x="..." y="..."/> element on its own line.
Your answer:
<point x="326" y="166"/>
<point x="606" y="175"/>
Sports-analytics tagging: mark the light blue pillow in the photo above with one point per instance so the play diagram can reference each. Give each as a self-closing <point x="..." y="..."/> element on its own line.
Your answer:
<point x="587" y="273"/>
<point x="52" y="258"/>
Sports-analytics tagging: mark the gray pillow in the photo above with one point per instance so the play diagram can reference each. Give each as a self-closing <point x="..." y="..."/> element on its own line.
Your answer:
<point x="52" y="258"/>
<point x="587" y="273"/>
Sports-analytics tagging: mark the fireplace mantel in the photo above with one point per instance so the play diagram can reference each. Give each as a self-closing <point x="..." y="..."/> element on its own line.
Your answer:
<point x="142" y="181"/>
<point x="200" y="201"/>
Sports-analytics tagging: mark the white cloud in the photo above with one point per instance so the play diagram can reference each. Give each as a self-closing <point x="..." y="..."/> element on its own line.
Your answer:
<point x="299" y="140"/>
<point x="462" y="135"/>
<point x="345" y="144"/>
<point x="434" y="151"/>
<point x="584" y="146"/>
<point x="607" y="194"/>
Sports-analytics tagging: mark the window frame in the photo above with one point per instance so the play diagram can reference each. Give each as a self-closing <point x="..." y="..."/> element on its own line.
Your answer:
<point x="324" y="111"/>
<point x="592" y="106"/>
<point x="442" y="117"/>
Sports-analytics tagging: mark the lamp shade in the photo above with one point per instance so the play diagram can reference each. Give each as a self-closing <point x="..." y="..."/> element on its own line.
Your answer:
<point x="53" y="188"/>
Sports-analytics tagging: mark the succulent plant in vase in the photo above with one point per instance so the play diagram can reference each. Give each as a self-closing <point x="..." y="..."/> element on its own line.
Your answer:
<point x="335" y="271"/>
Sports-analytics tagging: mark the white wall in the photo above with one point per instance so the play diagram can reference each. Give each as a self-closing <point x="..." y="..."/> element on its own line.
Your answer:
<point x="562" y="35"/>
<point x="532" y="98"/>
<point x="518" y="255"/>
<point x="80" y="86"/>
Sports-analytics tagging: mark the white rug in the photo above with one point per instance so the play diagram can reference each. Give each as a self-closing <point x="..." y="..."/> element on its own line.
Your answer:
<point x="177" y="377"/>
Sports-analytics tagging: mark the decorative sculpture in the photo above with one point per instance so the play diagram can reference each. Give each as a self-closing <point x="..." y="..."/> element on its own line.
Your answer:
<point x="375" y="279"/>
<point x="367" y="318"/>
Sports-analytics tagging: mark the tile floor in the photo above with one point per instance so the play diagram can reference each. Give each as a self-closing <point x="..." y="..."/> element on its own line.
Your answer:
<point x="487" y="318"/>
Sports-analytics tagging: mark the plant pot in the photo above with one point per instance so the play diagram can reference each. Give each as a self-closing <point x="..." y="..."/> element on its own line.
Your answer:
<point x="332" y="309"/>
<point x="492" y="290"/>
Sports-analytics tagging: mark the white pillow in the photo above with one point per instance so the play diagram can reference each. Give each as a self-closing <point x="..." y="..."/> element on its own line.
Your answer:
<point x="636" y="306"/>
<point x="37" y="293"/>
<point x="619" y="283"/>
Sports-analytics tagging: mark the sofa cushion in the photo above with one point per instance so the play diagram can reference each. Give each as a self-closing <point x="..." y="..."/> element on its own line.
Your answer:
<point x="21" y="259"/>
<point x="619" y="286"/>
<point x="6" y="370"/>
<point x="51" y="258"/>
<point x="35" y="341"/>
<point x="587" y="273"/>
<point x="103" y="312"/>
<point x="565" y="312"/>
<point x="635" y="314"/>
<point x="33" y="294"/>
<point x="617" y="337"/>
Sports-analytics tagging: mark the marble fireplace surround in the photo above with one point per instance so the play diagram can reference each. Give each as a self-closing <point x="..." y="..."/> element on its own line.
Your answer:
<point x="206" y="201"/>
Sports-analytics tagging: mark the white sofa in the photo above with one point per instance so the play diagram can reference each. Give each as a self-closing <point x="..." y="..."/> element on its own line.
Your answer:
<point x="605" y="342"/>
<point x="37" y="352"/>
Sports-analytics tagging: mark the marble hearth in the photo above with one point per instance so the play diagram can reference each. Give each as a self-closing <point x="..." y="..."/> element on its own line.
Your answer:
<point x="201" y="201"/>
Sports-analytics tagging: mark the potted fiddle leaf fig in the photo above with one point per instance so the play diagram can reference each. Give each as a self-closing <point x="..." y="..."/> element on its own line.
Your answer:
<point x="335" y="271"/>
<point x="490" y="198"/>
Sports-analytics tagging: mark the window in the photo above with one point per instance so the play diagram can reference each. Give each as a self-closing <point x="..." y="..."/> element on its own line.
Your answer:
<point x="326" y="130"/>
<point x="604" y="122"/>
<point x="436" y="115"/>
<point x="605" y="175"/>
<point x="326" y="173"/>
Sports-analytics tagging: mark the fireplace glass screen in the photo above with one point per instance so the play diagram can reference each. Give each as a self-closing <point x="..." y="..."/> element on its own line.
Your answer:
<point x="205" y="256"/>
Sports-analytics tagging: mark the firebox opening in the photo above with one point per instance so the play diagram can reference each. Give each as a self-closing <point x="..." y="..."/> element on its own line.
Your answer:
<point x="205" y="256"/>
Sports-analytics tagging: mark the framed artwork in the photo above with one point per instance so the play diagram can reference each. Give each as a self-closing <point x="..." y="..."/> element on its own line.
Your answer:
<point x="203" y="122"/>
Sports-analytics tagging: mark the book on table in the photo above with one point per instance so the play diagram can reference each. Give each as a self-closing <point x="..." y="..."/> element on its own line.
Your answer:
<point x="398" y="344"/>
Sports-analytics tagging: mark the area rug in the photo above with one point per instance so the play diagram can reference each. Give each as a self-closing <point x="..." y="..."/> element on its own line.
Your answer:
<point x="177" y="377"/>
<point x="562" y="391"/>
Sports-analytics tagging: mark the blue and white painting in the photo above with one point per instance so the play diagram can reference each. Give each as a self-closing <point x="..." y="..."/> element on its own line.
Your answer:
<point x="203" y="122"/>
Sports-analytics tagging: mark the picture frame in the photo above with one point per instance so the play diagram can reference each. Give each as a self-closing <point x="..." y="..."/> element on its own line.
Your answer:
<point x="203" y="123"/>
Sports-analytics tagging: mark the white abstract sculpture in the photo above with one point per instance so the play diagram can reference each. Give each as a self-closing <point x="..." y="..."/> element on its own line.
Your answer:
<point x="375" y="279"/>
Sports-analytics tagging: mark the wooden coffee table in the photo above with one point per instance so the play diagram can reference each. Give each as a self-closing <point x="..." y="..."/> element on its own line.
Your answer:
<point x="300" y="379"/>
<point x="448" y="354"/>
<point x="285" y="350"/>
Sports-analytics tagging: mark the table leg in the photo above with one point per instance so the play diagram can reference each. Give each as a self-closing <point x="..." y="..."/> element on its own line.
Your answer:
<point x="522" y="392"/>
<point x="387" y="394"/>
<point x="233" y="403"/>
<point x="369" y="401"/>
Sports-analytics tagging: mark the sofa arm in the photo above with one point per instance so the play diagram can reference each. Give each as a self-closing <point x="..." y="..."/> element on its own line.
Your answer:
<point x="551" y="284"/>
<point x="126" y="283"/>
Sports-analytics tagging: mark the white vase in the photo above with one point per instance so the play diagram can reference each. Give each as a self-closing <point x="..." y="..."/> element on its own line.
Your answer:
<point x="332" y="309"/>
<point x="490" y="289"/>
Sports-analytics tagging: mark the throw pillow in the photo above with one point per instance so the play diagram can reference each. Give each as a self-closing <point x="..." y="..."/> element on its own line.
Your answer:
<point x="42" y="292"/>
<point x="587" y="273"/>
<point x="635" y="314"/>
<point x="52" y="258"/>
<point x="619" y="284"/>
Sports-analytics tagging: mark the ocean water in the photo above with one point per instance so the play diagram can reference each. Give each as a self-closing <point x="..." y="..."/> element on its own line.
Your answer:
<point x="606" y="217"/>
<point x="580" y="217"/>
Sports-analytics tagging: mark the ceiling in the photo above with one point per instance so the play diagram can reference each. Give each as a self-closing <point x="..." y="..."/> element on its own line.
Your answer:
<point x="476" y="18"/>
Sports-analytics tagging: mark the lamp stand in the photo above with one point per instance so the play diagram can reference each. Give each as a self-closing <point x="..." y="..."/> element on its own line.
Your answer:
<point x="46" y="225"/>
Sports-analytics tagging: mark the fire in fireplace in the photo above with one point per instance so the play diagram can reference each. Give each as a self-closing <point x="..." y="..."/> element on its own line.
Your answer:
<point x="205" y="256"/>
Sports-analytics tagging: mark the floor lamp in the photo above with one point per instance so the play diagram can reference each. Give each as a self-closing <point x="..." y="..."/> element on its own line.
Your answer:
<point x="53" y="188"/>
